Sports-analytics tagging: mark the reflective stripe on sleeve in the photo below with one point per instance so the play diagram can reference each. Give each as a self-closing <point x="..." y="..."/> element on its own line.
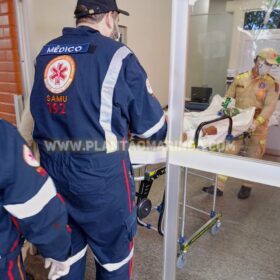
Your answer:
<point x="107" y="92"/>
<point x="34" y="205"/>
<point x="157" y="127"/>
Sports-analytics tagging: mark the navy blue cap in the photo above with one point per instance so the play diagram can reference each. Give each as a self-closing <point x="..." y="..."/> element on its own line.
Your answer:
<point x="99" y="7"/>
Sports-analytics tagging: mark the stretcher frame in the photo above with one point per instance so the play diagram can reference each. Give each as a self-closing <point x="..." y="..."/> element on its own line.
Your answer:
<point x="144" y="205"/>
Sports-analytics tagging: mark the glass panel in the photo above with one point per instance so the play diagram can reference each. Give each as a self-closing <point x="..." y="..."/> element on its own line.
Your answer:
<point x="209" y="49"/>
<point x="233" y="52"/>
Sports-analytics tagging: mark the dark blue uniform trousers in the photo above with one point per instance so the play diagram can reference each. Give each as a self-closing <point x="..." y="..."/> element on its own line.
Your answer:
<point x="99" y="193"/>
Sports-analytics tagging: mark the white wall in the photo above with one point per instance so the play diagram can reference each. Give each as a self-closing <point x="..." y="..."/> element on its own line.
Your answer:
<point x="148" y="28"/>
<point x="46" y="19"/>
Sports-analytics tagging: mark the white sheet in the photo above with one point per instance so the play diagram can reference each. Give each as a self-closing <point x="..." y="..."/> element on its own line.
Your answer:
<point x="241" y="123"/>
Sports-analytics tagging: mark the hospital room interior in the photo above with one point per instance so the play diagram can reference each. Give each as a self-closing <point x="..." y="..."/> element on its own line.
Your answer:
<point x="206" y="201"/>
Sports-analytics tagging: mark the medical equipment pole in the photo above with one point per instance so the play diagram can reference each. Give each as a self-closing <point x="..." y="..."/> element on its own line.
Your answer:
<point x="179" y="32"/>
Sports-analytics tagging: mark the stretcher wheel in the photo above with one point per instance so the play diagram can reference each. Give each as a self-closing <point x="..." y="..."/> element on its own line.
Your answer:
<point x="216" y="228"/>
<point x="182" y="260"/>
<point x="144" y="208"/>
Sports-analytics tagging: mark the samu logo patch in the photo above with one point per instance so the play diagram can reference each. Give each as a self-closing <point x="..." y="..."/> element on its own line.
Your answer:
<point x="59" y="74"/>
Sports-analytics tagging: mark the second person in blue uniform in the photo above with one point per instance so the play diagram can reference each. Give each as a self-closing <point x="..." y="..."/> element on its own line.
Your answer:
<point x="31" y="208"/>
<point x="89" y="92"/>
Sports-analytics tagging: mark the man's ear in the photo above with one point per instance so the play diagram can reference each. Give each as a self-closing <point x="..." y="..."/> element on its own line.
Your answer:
<point x="109" y="20"/>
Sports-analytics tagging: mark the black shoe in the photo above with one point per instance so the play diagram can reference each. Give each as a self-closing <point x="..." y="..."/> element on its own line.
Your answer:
<point x="244" y="192"/>
<point x="210" y="190"/>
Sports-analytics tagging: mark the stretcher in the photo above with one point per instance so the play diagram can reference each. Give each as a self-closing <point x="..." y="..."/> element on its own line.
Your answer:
<point x="144" y="158"/>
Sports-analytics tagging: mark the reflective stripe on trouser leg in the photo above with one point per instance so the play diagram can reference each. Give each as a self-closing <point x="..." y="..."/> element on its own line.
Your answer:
<point x="231" y="149"/>
<point x="256" y="147"/>
<point x="222" y="182"/>
<point x="78" y="256"/>
<point x="100" y="202"/>
<point x="122" y="269"/>
<point x="119" y="270"/>
<point x="122" y="273"/>
<point x="110" y="267"/>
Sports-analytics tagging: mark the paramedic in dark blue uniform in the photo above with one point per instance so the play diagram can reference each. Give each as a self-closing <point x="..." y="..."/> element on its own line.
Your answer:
<point x="89" y="92"/>
<point x="29" y="207"/>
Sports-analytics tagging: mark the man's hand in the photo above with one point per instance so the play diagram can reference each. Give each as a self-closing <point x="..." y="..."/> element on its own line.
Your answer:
<point x="57" y="269"/>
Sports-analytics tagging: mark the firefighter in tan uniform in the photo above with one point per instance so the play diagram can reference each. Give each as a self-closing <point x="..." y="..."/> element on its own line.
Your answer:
<point x="255" y="88"/>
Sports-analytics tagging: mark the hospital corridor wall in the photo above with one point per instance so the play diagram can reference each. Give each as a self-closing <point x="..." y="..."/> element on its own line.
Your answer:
<point x="148" y="36"/>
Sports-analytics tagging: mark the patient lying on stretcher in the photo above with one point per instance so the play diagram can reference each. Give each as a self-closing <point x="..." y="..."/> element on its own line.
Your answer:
<point x="210" y="136"/>
<point x="214" y="133"/>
